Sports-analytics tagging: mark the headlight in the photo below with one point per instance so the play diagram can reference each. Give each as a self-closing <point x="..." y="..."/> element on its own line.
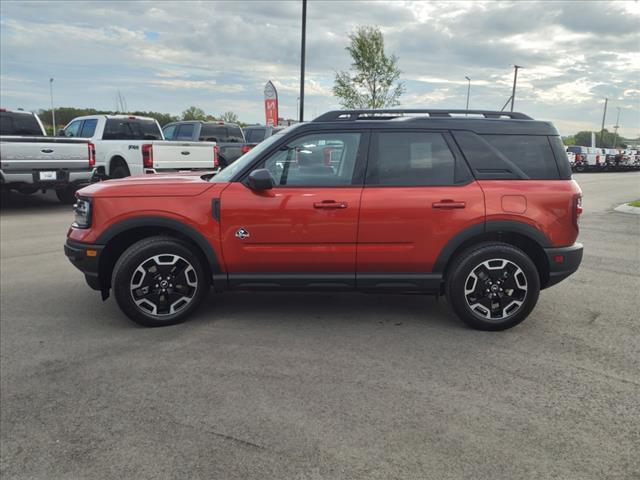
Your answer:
<point x="82" y="212"/>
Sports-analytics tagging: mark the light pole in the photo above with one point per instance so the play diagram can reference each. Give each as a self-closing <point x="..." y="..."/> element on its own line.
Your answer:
<point x="515" y="80"/>
<point x="302" y="57"/>
<point x="468" y="91"/>
<point x="604" y="116"/>
<point x="615" y="129"/>
<point x="53" y="112"/>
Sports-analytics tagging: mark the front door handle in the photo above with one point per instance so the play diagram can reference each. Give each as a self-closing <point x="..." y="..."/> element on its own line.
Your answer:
<point x="330" y="204"/>
<point x="448" y="204"/>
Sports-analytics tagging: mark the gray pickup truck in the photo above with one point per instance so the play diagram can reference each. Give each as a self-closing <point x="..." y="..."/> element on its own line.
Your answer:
<point x="30" y="161"/>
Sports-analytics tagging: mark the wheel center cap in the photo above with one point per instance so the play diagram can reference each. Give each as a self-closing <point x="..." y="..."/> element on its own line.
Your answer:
<point x="164" y="284"/>
<point x="494" y="288"/>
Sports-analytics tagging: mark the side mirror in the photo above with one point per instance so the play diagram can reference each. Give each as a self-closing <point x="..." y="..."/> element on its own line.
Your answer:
<point x="61" y="132"/>
<point x="260" y="179"/>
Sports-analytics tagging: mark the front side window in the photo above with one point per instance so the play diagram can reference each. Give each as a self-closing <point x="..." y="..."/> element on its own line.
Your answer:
<point x="411" y="159"/>
<point x="316" y="160"/>
<point x="185" y="132"/>
<point x="73" y="129"/>
<point x="169" y="132"/>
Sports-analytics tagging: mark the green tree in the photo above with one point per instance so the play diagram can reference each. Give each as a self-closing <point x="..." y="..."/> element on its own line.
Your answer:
<point x="194" y="113"/>
<point x="229" y="117"/>
<point x="372" y="81"/>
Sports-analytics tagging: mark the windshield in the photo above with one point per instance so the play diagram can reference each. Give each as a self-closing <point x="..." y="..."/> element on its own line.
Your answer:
<point x="228" y="173"/>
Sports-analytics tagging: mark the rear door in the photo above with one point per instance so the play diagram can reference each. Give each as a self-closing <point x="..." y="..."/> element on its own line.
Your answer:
<point x="304" y="230"/>
<point x="418" y="194"/>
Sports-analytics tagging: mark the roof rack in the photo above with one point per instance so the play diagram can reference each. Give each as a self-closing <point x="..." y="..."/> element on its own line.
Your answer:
<point x="353" y="115"/>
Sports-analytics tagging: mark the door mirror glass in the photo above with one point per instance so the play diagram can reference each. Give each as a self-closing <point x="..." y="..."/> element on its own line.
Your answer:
<point x="260" y="180"/>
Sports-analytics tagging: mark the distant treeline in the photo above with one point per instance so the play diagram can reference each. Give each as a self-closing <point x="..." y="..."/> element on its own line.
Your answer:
<point x="65" y="114"/>
<point x="608" y="140"/>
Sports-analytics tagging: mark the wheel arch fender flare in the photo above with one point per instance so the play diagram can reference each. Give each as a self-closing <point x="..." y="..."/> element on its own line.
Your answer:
<point x="480" y="229"/>
<point x="169" y="224"/>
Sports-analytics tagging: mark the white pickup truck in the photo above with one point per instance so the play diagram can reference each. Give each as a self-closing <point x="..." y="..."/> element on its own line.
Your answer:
<point x="30" y="161"/>
<point x="130" y="145"/>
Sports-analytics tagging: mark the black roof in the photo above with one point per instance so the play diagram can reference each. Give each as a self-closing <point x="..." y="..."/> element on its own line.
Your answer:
<point x="479" y="121"/>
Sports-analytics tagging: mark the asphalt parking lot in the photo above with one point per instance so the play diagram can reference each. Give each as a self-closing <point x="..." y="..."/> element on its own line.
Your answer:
<point x="320" y="386"/>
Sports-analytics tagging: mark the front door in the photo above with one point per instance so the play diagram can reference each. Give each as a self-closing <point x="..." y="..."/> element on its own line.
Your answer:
<point x="418" y="194"/>
<point x="303" y="232"/>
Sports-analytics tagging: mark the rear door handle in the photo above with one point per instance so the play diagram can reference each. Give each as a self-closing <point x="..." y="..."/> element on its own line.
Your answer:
<point x="186" y="152"/>
<point x="330" y="204"/>
<point x="448" y="204"/>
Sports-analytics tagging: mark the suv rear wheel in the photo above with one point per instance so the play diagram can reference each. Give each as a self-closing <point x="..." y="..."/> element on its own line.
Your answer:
<point x="492" y="286"/>
<point x="159" y="281"/>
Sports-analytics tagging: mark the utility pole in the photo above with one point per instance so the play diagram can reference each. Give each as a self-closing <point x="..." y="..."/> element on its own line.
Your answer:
<point x="615" y="129"/>
<point x="468" y="91"/>
<point x="53" y="112"/>
<point x="604" y="115"/>
<point x="515" y="80"/>
<point x="302" y="57"/>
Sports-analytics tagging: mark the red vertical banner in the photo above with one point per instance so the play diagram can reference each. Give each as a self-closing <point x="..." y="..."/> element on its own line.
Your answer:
<point x="271" y="104"/>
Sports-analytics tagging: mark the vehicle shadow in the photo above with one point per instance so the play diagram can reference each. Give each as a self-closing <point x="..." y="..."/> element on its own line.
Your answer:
<point x="299" y="308"/>
<point x="12" y="201"/>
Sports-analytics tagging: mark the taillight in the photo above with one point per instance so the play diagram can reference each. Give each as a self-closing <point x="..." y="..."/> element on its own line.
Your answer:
<point x="577" y="210"/>
<point x="245" y="149"/>
<point x="216" y="151"/>
<point x="578" y="157"/>
<point x="92" y="154"/>
<point x="597" y="159"/>
<point x="147" y="155"/>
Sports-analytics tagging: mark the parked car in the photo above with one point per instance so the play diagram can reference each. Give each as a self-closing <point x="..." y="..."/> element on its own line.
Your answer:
<point x="130" y="145"/>
<point x="481" y="208"/>
<point x="257" y="133"/>
<point x="228" y="137"/>
<point x="30" y="161"/>
<point x="587" y="158"/>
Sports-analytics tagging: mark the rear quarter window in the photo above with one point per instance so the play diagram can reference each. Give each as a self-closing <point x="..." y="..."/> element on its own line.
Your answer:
<point x="493" y="157"/>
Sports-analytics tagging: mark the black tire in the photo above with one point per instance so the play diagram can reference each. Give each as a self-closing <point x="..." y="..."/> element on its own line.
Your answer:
<point x="120" y="170"/>
<point x="580" y="168"/>
<point x="477" y="268"/>
<point x="140" y="255"/>
<point x="67" y="195"/>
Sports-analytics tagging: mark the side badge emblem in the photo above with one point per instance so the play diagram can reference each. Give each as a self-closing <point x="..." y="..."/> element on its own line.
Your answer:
<point x="242" y="234"/>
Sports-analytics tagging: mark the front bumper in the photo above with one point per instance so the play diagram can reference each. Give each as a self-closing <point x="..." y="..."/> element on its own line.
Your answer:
<point x="563" y="262"/>
<point x="86" y="258"/>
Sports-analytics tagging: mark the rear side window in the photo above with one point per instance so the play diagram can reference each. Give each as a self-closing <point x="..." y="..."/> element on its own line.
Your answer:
<point x="255" y="135"/>
<point x="88" y="128"/>
<point x="412" y="159"/>
<point x="234" y="134"/>
<point x="213" y="133"/>
<point x="131" y="129"/>
<point x="19" y="124"/>
<point x="494" y="157"/>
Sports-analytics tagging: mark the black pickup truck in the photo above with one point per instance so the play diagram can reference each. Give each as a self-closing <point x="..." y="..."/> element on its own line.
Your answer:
<point x="230" y="141"/>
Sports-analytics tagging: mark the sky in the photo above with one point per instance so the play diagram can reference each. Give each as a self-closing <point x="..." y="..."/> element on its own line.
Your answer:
<point x="165" y="56"/>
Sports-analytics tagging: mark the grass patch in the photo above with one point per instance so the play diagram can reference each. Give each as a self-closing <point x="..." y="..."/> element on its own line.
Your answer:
<point x="635" y="204"/>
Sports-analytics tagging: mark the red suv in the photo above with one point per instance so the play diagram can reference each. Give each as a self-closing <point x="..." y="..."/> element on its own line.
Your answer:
<point x="477" y="205"/>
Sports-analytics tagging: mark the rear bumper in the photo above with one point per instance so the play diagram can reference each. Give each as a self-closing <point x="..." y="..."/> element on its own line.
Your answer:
<point x="86" y="258"/>
<point x="563" y="262"/>
<point x="63" y="177"/>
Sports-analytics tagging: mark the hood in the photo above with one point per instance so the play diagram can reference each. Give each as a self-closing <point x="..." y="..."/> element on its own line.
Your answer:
<point x="187" y="184"/>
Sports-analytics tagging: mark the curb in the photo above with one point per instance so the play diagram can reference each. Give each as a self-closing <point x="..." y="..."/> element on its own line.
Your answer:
<point x="624" y="208"/>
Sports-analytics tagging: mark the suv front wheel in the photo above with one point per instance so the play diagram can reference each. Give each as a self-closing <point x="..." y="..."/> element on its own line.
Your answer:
<point x="492" y="286"/>
<point x="159" y="281"/>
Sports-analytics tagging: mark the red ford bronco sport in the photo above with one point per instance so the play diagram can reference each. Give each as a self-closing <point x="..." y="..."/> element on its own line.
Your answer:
<point x="477" y="205"/>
